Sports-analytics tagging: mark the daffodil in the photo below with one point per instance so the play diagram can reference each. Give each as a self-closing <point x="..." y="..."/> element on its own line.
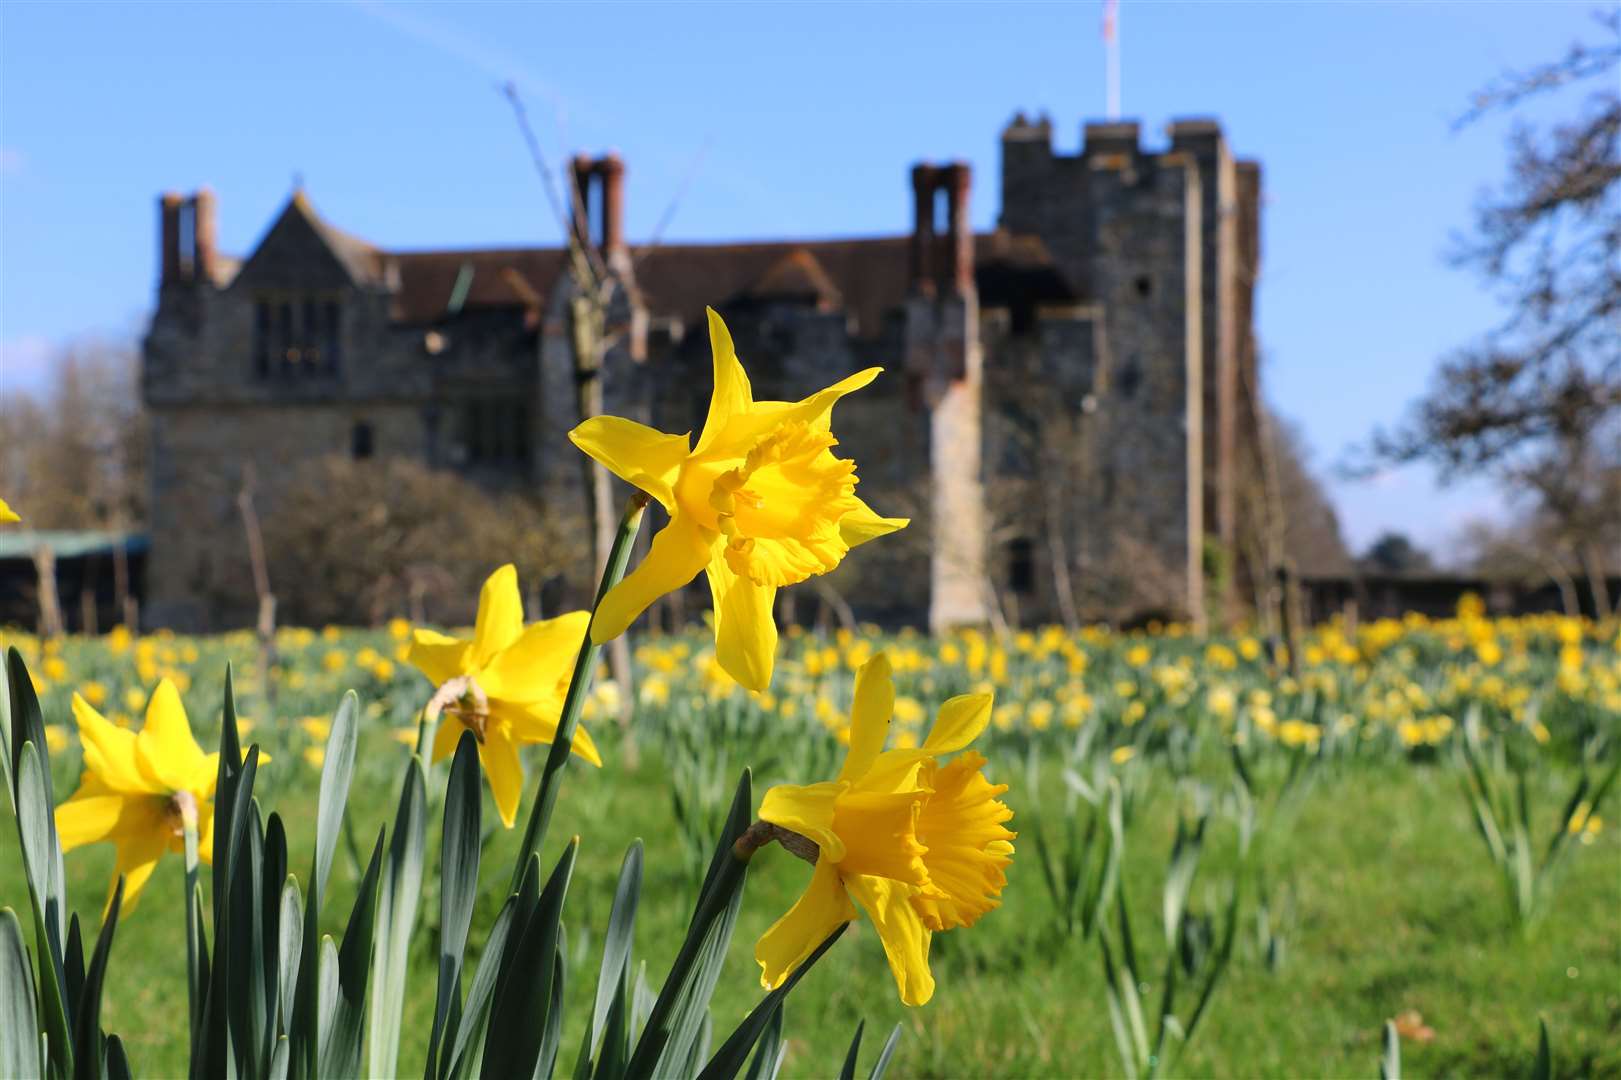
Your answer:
<point x="918" y="843"/>
<point x="505" y="685"/>
<point x="759" y="503"/>
<point x="7" y="514"/>
<point x="138" y="789"/>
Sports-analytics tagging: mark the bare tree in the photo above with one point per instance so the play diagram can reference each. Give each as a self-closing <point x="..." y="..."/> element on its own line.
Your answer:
<point x="1538" y="399"/>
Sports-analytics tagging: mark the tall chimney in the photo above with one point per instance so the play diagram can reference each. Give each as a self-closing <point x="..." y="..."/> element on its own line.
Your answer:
<point x="923" y="184"/>
<point x="612" y="171"/>
<point x="169" y="237"/>
<point x="203" y="235"/>
<point x="958" y="179"/>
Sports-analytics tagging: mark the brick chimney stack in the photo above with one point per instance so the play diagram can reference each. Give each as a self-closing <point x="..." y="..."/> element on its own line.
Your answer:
<point x="611" y="168"/>
<point x="606" y="175"/>
<point x="169" y="206"/>
<point x="942" y="262"/>
<point x="923" y="181"/>
<point x="203" y="235"/>
<point x="958" y="179"/>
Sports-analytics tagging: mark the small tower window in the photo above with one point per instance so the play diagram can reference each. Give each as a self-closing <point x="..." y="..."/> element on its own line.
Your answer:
<point x="332" y="336"/>
<point x="1144" y="286"/>
<point x="261" y="339"/>
<point x="1021" y="570"/>
<point x="360" y="441"/>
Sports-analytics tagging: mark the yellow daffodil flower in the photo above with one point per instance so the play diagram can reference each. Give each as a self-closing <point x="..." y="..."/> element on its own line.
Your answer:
<point x="7" y="514"/>
<point x="919" y="844"/>
<point x="138" y="787"/>
<point x="512" y="683"/>
<point x="759" y="503"/>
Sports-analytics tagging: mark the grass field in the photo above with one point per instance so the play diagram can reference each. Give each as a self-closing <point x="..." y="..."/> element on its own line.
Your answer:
<point x="1381" y="900"/>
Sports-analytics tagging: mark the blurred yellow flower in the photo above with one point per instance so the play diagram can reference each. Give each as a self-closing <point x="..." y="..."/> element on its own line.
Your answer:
<point x="7" y="514"/>
<point x="138" y="789"/>
<point x="517" y="677"/>
<point x="760" y="503"/>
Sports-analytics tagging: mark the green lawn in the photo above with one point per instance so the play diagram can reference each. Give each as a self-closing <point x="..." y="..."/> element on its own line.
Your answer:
<point x="1395" y="908"/>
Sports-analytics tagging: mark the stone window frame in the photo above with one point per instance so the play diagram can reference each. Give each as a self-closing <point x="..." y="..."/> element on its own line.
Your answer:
<point x="297" y="334"/>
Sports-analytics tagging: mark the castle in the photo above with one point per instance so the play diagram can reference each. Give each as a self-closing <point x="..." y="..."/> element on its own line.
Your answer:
<point x="1067" y="411"/>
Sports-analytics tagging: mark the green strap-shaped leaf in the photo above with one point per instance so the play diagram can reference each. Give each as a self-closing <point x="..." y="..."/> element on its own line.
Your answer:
<point x="881" y="1066"/>
<point x="616" y="946"/>
<point x="397" y="898"/>
<point x="520" y="1017"/>
<point x="36" y="830"/>
<point x="89" y="1046"/>
<point x="458" y="892"/>
<point x="343" y="1025"/>
<point x="768" y="1055"/>
<point x="1542" y="1069"/>
<point x="468" y="1024"/>
<point x="734" y="1052"/>
<point x="848" y="1070"/>
<point x="677" y="1019"/>
<point x="19" y="1024"/>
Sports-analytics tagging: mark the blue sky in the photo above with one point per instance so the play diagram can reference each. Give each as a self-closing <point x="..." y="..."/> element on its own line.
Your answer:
<point x="772" y="120"/>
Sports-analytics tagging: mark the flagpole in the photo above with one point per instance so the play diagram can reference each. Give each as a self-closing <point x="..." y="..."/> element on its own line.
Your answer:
<point x="1111" y="50"/>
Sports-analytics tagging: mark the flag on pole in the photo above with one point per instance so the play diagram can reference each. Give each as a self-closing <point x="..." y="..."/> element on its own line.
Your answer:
<point x="1111" y="10"/>
<point x="1111" y="56"/>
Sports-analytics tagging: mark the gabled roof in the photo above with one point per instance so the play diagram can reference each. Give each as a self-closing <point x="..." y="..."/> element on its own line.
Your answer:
<point x="799" y="277"/>
<point x="355" y="259"/>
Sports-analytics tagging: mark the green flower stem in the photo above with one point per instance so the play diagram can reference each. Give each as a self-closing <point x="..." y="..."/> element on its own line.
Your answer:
<point x="540" y="812"/>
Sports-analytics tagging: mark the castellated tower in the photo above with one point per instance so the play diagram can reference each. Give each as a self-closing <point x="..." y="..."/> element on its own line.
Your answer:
<point x="1067" y="411"/>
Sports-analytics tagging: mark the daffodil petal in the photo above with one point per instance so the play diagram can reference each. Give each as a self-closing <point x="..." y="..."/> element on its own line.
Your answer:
<point x="165" y="750"/>
<point x="639" y="455"/>
<point x="439" y="657"/>
<point x="873" y="705"/>
<point x="532" y="666"/>
<point x="959" y="722"/>
<point x="447" y="737"/>
<point x="109" y="752"/>
<point x="679" y="551"/>
<point x="963" y="826"/>
<point x="137" y="857"/>
<point x="807" y="810"/>
<point x="505" y="774"/>
<point x="732" y="395"/>
<point x="500" y="617"/>
<point x="538" y="724"/>
<point x="863" y="524"/>
<point x="745" y="627"/>
<point x="822" y="909"/>
<point x="7" y="514"/>
<point x="900" y="928"/>
<point x="88" y="819"/>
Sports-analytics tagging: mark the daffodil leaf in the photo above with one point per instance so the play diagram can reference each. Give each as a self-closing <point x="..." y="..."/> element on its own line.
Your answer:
<point x="246" y="1002"/>
<point x="1390" y="1060"/>
<point x="468" y="1024"/>
<point x="458" y="890"/>
<point x="26" y="724"/>
<point x="117" y="1067"/>
<point x="546" y="1060"/>
<point x="73" y="960"/>
<point x="768" y="1056"/>
<point x="520" y="1016"/>
<point x="89" y="1045"/>
<point x="734" y="1052"/>
<point x="848" y="1070"/>
<point x="616" y="945"/>
<point x="343" y="1022"/>
<point x="881" y="1066"/>
<point x="1542" y="1069"/>
<point x="289" y="939"/>
<point x="19" y="1024"/>
<point x="36" y="829"/>
<point x="399" y="891"/>
<point x="337" y="770"/>
<point x="675" y="1025"/>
